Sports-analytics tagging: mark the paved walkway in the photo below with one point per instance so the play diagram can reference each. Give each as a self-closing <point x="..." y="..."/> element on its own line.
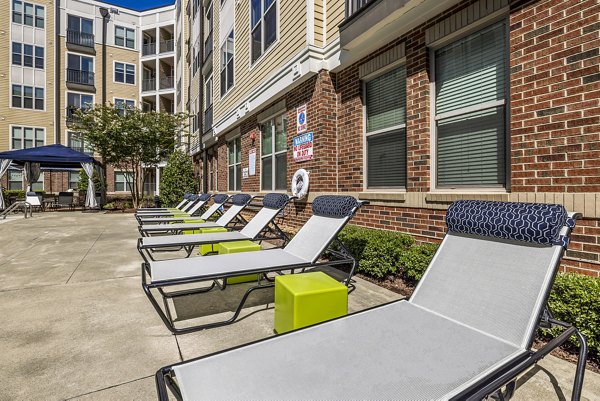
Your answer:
<point x="77" y="326"/>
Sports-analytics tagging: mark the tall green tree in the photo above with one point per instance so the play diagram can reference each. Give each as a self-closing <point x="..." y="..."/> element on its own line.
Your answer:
<point x="177" y="178"/>
<point x="130" y="139"/>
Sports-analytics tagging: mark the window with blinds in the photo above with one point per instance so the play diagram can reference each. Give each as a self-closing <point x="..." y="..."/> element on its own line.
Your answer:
<point x="385" y="99"/>
<point x="470" y="108"/>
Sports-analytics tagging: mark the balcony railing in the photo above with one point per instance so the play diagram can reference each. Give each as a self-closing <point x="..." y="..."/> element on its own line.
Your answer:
<point x="80" y="77"/>
<point x="167" y="45"/>
<point x="148" y="84"/>
<point x="167" y="82"/>
<point x="208" y="46"/>
<point x="354" y="6"/>
<point x="208" y="119"/>
<point x="72" y="116"/>
<point x="80" y="38"/>
<point x="148" y="49"/>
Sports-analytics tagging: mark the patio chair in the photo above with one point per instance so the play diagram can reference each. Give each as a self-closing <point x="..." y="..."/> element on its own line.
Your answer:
<point x="230" y="219"/>
<point x="191" y="202"/>
<point x="195" y="205"/>
<point x="183" y="202"/>
<point x="466" y="332"/>
<point x="214" y="210"/>
<point x="34" y="200"/>
<point x="65" y="199"/>
<point x="330" y="215"/>
<point x="257" y="229"/>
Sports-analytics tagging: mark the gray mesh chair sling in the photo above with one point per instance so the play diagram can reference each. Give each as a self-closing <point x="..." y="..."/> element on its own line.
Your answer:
<point x="330" y="215"/>
<point x="466" y="331"/>
<point x="213" y="210"/>
<point x="191" y="200"/>
<point x="232" y="218"/>
<point x="261" y="227"/>
<point x="196" y="203"/>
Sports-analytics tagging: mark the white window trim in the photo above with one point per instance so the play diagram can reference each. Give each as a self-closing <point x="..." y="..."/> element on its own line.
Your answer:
<point x="125" y="64"/>
<point x="23" y="55"/>
<point x="232" y="87"/>
<point x="125" y="182"/>
<point x="273" y="154"/>
<point x="10" y="105"/>
<point x="10" y="132"/>
<point x="229" y="141"/>
<point x="273" y="45"/>
<point x="67" y="137"/>
<point x="10" y="18"/>
<point x="135" y="38"/>
<point x="364" y="80"/>
<point x="447" y="40"/>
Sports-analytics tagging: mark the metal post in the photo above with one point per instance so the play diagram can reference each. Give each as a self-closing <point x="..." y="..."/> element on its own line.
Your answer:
<point x="105" y="17"/>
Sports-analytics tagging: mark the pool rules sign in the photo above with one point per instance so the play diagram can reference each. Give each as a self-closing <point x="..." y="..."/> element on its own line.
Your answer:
<point x="301" y="122"/>
<point x="303" y="147"/>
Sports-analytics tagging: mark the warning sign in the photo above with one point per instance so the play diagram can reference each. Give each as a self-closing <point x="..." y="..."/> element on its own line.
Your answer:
<point x="303" y="147"/>
<point x="301" y="122"/>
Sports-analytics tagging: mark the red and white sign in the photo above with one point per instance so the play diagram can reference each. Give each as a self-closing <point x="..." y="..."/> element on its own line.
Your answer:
<point x="303" y="147"/>
<point x="301" y="119"/>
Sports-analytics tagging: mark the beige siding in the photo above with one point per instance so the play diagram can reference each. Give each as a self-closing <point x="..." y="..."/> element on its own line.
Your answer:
<point x="335" y="16"/>
<point x="319" y="22"/>
<point x="22" y="117"/>
<point x="292" y="39"/>
<point x="113" y="89"/>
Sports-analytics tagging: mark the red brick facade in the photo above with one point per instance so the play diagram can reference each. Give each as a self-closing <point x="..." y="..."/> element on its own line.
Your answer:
<point x="554" y="107"/>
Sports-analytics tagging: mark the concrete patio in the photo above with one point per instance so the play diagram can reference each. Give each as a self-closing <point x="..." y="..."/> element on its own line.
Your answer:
<point x="77" y="324"/>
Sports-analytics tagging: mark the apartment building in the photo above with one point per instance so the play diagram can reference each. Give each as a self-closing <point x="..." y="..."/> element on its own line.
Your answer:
<point x="409" y="104"/>
<point x="64" y="55"/>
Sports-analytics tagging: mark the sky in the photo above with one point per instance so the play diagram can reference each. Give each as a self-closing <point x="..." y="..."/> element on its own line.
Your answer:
<point x="139" y="5"/>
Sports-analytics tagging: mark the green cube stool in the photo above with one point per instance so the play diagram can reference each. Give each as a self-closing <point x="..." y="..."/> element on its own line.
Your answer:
<point x="307" y="298"/>
<point x="236" y="247"/>
<point x="206" y="248"/>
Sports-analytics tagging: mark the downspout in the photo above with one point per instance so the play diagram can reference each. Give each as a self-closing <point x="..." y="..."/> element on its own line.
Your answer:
<point x="105" y="17"/>
<point x="57" y="71"/>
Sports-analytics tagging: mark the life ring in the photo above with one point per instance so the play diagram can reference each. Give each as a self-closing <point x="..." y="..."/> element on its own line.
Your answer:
<point x="300" y="183"/>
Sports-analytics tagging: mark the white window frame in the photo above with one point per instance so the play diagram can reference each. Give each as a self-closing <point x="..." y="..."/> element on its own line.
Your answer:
<point x="234" y="165"/>
<point x="9" y="181"/>
<point x="267" y="50"/>
<point x="69" y="134"/>
<point x="22" y="96"/>
<point x="364" y="81"/>
<point x="124" y="182"/>
<point x="124" y="101"/>
<point x="221" y="69"/>
<point x="125" y="29"/>
<point x="273" y="154"/>
<point x="124" y="82"/>
<point x="22" y="56"/>
<point x="433" y="47"/>
<point x="76" y="181"/>
<point x="23" y="127"/>
<point x="34" y="16"/>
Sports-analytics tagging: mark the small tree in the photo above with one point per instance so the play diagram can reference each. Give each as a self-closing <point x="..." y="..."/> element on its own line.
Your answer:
<point x="130" y="139"/>
<point x="177" y="178"/>
<point x="82" y="185"/>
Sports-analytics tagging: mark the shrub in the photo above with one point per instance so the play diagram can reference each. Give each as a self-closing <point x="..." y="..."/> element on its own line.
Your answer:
<point x="19" y="193"/>
<point x="575" y="299"/>
<point x="177" y="179"/>
<point x="377" y="251"/>
<point x="109" y="206"/>
<point x="416" y="260"/>
<point x="83" y="181"/>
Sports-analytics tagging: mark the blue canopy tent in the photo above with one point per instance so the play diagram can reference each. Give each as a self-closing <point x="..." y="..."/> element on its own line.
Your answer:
<point x="52" y="157"/>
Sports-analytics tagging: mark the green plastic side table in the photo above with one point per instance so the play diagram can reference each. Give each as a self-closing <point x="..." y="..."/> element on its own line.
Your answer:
<point x="307" y="298"/>
<point x="236" y="247"/>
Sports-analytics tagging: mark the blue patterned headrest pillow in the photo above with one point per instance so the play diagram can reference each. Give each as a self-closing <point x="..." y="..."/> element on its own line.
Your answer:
<point x="193" y="197"/>
<point x="205" y="197"/>
<point x="275" y="201"/>
<point x="334" y="206"/>
<point x="532" y="222"/>
<point x="240" y="199"/>
<point x="220" y="198"/>
<point x="187" y="196"/>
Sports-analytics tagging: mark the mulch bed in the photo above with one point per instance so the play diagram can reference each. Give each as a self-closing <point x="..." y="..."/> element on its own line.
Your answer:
<point x="567" y="352"/>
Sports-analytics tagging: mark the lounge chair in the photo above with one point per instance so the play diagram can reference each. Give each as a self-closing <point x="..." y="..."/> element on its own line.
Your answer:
<point x="33" y="200"/>
<point x="65" y="199"/>
<point x="213" y="210"/>
<point x="466" y="331"/>
<point x="230" y="219"/>
<point x="257" y="229"/>
<point x="184" y="201"/>
<point x="196" y="204"/>
<point x="193" y="200"/>
<point x="330" y="215"/>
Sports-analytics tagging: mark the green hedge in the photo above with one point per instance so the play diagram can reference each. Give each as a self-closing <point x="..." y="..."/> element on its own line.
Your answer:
<point x="416" y="260"/>
<point x="377" y="251"/>
<point x="19" y="193"/>
<point x="575" y="299"/>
